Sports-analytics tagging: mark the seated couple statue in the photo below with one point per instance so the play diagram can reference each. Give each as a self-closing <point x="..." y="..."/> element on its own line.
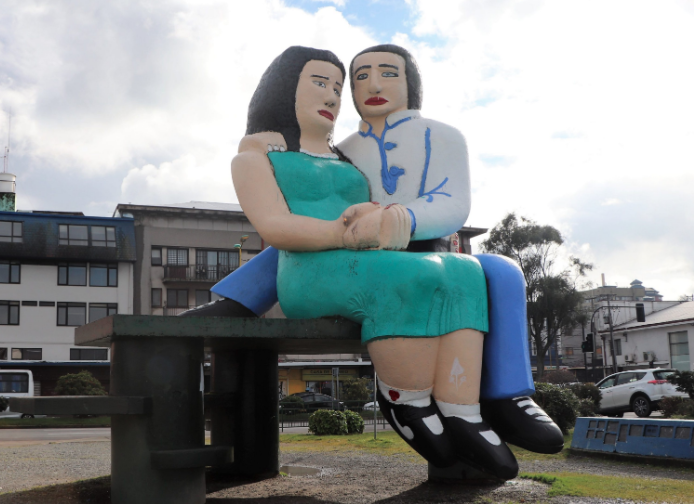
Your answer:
<point x="359" y="230"/>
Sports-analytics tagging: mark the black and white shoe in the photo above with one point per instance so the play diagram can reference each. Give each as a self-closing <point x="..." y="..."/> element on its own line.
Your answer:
<point x="422" y="428"/>
<point x="520" y="421"/>
<point x="476" y="443"/>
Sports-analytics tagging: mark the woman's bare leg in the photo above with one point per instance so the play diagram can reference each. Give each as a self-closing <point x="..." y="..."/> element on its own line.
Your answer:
<point x="459" y="367"/>
<point x="405" y="363"/>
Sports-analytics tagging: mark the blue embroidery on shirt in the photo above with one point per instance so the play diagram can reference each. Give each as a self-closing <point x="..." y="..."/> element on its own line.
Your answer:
<point x="429" y="195"/>
<point x="389" y="176"/>
<point x="390" y="145"/>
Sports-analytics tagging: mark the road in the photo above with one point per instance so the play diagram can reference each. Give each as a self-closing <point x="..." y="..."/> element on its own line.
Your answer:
<point x="23" y="437"/>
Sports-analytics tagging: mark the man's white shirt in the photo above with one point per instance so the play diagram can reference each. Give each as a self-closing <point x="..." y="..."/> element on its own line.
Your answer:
<point x="419" y="163"/>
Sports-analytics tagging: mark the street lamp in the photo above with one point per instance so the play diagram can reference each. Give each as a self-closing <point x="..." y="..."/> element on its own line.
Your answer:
<point x="239" y="246"/>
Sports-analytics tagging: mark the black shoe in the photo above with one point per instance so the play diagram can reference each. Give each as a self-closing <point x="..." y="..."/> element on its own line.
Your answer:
<point x="521" y="422"/>
<point x="415" y="426"/>
<point x="224" y="307"/>
<point x="477" y="444"/>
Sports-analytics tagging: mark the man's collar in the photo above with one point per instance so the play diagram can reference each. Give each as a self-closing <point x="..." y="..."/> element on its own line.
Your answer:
<point x="392" y="118"/>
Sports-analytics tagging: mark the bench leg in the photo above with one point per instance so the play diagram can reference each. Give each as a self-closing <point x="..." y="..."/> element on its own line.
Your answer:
<point x="169" y="370"/>
<point x="248" y="418"/>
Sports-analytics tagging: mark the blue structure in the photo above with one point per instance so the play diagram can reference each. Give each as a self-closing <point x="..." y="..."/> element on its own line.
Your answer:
<point x="642" y="437"/>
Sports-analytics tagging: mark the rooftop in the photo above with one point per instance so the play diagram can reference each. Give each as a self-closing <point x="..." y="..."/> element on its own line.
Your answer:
<point x="683" y="312"/>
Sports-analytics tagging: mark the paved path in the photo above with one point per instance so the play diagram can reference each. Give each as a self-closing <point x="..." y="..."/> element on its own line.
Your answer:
<point x="16" y="437"/>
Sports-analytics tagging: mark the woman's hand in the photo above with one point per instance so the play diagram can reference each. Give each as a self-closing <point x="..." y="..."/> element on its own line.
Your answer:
<point x="267" y="141"/>
<point x="362" y="226"/>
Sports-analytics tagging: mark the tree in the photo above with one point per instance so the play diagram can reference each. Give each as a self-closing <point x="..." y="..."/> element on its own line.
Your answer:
<point x="82" y="383"/>
<point x="684" y="381"/>
<point x="554" y="303"/>
<point x="356" y="390"/>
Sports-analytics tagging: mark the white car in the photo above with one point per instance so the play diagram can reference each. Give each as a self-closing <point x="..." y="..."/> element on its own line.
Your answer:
<point x="369" y="406"/>
<point x="638" y="391"/>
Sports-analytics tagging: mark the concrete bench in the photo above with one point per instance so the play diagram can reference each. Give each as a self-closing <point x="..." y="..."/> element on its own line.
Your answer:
<point x="639" y="437"/>
<point x="158" y="452"/>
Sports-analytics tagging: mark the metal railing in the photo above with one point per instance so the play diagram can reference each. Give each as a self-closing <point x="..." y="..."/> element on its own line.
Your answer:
<point x="173" y="312"/>
<point x="293" y="415"/>
<point x="196" y="273"/>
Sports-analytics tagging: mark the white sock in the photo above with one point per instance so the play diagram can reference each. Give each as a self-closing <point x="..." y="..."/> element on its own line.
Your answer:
<point x="416" y="398"/>
<point x="468" y="412"/>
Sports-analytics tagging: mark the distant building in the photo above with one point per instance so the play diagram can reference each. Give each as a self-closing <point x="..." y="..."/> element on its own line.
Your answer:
<point x="60" y="270"/>
<point x="183" y="249"/>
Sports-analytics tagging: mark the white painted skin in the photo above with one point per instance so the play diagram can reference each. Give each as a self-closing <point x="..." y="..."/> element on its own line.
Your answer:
<point x="457" y="376"/>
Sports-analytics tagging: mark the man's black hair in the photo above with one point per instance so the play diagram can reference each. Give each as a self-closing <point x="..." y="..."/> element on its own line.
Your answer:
<point x="412" y="75"/>
<point x="273" y="106"/>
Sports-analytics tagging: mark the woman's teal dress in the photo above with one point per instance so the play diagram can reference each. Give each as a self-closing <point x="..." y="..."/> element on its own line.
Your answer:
<point x="390" y="293"/>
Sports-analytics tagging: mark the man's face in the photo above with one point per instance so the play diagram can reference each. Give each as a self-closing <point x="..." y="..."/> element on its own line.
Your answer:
<point x="380" y="86"/>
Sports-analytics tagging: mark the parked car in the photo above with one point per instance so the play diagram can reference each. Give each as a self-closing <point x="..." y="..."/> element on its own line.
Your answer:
<point x="638" y="391"/>
<point x="313" y="401"/>
<point x="369" y="406"/>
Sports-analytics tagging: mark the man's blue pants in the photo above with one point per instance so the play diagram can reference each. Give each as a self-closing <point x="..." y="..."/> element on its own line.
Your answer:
<point x="506" y="368"/>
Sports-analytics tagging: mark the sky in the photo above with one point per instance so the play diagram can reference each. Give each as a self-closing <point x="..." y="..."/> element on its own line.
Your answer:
<point x="577" y="114"/>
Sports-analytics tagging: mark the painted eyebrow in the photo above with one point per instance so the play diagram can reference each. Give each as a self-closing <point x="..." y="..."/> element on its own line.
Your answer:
<point x="388" y="66"/>
<point x="328" y="79"/>
<point x="362" y="67"/>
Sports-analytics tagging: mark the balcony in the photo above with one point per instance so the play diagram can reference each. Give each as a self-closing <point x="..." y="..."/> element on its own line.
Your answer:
<point x="174" y="312"/>
<point x="196" y="273"/>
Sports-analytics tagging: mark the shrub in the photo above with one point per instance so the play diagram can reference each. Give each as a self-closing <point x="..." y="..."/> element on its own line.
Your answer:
<point x="82" y="383"/>
<point x="684" y="381"/>
<point x="559" y="377"/>
<point x="670" y="405"/>
<point x="355" y="423"/>
<point x="587" y="408"/>
<point x="4" y="403"/>
<point x="685" y="410"/>
<point x="561" y="404"/>
<point x="327" y="422"/>
<point x="587" y="391"/>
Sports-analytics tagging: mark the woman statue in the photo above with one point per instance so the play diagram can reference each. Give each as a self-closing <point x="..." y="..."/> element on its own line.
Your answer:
<point x="423" y="315"/>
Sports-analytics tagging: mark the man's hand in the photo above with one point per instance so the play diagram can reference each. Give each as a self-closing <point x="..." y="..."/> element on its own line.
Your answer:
<point x="267" y="141"/>
<point x="395" y="228"/>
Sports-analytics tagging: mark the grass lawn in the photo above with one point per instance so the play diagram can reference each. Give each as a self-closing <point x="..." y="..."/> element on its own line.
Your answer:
<point x="613" y="487"/>
<point x="63" y="421"/>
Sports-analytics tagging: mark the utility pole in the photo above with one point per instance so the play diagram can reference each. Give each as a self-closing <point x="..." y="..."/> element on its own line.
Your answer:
<point x="609" y="321"/>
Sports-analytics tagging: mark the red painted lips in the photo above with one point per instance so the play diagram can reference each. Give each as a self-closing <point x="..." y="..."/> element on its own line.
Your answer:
<point x="327" y="114"/>
<point x="375" y="100"/>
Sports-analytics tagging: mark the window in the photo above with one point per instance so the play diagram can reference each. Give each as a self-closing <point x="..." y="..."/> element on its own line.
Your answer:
<point x="9" y="271"/>
<point x="11" y="232"/>
<point x="156" y="298"/>
<point x="156" y="256"/>
<point x="177" y="257"/>
<point x="679" y="350"/>
<point x="72" y="314"/>
<point x="103" y="275"/>
<point x="103" y="236"/>
<point x="100" y="310"/>
<point x="202" y="297"/>
<point x="3" y="355"/>
<point x="9" y="312"/>
<point x="177" y="298"/>
<point x="30" y="303"/>
<point x="27" y="354"/>
<point x="72" y="274"/>
<point x="88" y="354"/>
<point x="215" y="264"/>
<point x="14" y="383"/>
<point x="568" y="350"/>
<point x="47" y="303"/>
<point x="618" y="347"/>
<point x="73" y="235"/>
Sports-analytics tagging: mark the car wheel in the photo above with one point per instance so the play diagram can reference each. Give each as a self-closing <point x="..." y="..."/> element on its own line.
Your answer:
<point x="27" y="415"/>
<point x="641" y="406"/>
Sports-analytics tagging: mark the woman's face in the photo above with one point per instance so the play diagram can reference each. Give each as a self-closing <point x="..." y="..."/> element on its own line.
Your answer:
<point x="318" y="98"/>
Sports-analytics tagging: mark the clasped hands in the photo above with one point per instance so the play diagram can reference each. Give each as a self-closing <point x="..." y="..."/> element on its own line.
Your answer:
<point x="364" y="226"/>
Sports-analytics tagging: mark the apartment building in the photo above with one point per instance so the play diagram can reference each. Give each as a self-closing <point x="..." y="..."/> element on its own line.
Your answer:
<point x="59" y="271"/>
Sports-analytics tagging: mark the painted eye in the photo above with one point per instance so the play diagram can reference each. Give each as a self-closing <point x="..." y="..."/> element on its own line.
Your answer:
<point x="389" y="74"/>
<point x="337" y="92"/>
<point x="362" y="76"/>
<point x="319" y="83"/>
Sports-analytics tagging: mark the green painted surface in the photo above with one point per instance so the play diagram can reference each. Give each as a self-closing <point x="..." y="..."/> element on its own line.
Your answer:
<point x="389" y="293"/>
<point x="8" y="202"/>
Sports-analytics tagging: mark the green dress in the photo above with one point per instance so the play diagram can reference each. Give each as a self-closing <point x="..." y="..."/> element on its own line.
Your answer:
<point x="391" y="294"/>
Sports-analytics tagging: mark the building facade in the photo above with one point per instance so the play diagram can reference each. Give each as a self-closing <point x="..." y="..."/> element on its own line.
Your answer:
<point x="59" y="271"/>
<point x="183" y="250"/>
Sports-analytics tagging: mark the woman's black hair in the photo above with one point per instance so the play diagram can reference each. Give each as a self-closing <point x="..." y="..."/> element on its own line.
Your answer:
<point x="273" y="106"/>
<point x="412" y="75"/>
